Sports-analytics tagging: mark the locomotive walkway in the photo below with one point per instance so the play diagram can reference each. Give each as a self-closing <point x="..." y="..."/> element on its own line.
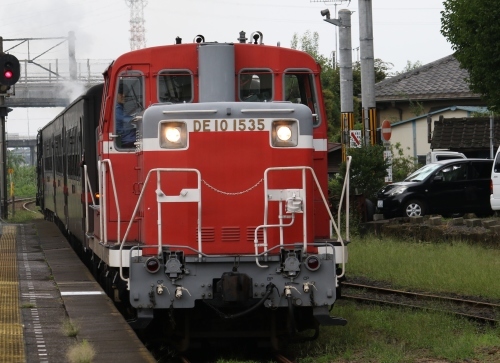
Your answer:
<point x="45" y="288"/>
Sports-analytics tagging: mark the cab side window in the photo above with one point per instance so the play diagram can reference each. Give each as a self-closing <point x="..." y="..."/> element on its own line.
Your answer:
<point x="299" y="88"/>
<point x="129" y="102"/>
<point x="175" y="86"/>
<point x="256" y="85"/>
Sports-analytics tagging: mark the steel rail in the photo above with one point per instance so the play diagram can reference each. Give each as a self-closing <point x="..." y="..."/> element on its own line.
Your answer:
<point x="491" y="307"/>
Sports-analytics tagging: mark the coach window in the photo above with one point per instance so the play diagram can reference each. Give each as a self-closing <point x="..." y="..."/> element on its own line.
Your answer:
<point x="256" y="85"/>
<point x="299" y="88"/>
<point x="175" y="86"/>
<point x="129" y="102"/>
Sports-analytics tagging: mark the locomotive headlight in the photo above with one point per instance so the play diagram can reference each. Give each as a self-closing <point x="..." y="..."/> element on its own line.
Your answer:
<point x="284" y="133"/>
<point x="173" y="135"/>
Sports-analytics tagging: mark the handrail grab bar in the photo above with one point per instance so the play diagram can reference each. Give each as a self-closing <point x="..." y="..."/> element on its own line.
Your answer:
<point x="146" y="181"/>
<point x="104" y="214"/>
<point x="344" y="187"/>
<point x="87" y="187"/>
<point x="266" y="200"/>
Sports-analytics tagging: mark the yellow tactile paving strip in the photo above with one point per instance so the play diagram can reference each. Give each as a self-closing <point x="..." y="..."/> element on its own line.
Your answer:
<point x="11" y="329"/>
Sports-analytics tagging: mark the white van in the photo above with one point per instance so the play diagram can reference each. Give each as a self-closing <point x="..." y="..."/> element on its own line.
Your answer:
<point x="433" y="156"/>
<point x="495" y="183"/>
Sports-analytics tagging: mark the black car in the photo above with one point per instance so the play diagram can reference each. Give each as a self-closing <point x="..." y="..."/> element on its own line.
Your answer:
<point x="448" y="187"/>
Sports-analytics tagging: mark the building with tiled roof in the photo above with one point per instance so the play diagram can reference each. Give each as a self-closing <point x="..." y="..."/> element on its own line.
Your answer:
<point x="473" y="136"/>
<point x="428" y="88"/>
<point x="415" y="101"/>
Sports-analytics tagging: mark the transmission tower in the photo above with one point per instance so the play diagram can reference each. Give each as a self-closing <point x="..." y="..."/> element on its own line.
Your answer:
<point x="137" y="30"/>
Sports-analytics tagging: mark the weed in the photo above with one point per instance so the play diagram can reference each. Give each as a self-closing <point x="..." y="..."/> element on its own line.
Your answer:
<point x="70" y="329"/>
<point x="28" y="306"/>
<point x="83" y="352"/>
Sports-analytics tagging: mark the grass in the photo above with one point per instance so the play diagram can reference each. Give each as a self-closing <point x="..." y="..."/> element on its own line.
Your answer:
<point x="24" y="216"/>
<point x="70" y="329"/>
<point x="388" y="335"/>
<point x="28" y="306"/>
<point x="458" y="267"/>
<point x="83" y="352"/>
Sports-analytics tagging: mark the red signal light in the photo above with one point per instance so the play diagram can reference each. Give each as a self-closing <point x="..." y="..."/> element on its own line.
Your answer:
<point x="9" y="69"/>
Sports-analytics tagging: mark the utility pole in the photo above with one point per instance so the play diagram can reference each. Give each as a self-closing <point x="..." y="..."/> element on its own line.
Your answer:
<point x="367" y="71"/>
<point x="345" y="67"/>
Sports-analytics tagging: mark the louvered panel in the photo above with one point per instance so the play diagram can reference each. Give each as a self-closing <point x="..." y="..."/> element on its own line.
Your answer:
<point x="251" y="236"/>
<point x="207" y="234"/>
<point x="231" y="234"/>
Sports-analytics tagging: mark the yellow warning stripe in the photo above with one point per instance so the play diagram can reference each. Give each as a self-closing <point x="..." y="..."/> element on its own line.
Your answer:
<point x="11" y="329"/>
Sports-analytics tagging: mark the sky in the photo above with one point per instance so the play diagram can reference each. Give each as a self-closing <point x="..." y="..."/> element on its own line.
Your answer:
<point x="403" y="30"/>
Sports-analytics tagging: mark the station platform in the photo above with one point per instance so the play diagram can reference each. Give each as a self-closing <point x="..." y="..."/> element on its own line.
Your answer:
<point x="50" y="304"/>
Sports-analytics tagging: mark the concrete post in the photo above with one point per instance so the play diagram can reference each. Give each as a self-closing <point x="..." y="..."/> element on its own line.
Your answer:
<point x="346" y="82"/>
<point x="345" y="69"/>
<point x="367" y="71"/>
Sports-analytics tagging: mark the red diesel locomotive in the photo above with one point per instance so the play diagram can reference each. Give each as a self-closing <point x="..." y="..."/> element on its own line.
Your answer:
<point x="195" y="179"/>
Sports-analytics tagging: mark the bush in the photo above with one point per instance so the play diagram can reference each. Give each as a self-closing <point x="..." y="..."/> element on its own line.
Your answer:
<point x="367" y="172"/>
<point x="24" y="179"/>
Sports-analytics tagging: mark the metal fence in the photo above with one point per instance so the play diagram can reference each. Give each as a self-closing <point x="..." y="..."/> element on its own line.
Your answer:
<point x="58" y="70"/>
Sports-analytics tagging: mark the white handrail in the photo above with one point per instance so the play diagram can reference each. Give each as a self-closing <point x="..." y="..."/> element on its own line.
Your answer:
<point x="256" y="240"/>
<point x="346" y="186"/>
<point x="87" y="187"/>
<point x="325" y="202"/>
<point x="104" y="213"/>
<point x="160" y="244"/>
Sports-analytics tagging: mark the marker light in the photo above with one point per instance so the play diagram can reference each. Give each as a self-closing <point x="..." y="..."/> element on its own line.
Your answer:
<point x="173" y="135"/>
<point x="152" y="265"/>
<point x="312" y="263"/>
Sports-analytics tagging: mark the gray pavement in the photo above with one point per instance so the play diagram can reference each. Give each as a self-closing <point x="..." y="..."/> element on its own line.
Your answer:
<point x="56" y="287"/>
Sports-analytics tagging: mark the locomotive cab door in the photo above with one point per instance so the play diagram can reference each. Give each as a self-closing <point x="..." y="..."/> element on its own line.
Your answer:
<point x="122" y="172"/>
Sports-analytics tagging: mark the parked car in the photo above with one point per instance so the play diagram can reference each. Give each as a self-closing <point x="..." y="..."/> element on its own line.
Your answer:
<point x="433" y="156"/>
<point x="495" y="183"/>
<point x="448" y="187"/>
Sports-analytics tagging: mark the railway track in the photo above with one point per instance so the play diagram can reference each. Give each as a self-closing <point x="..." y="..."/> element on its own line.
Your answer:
<point x="278" y="357"/>
<point x="481" y="311"/>
<point x="27" y="204"/>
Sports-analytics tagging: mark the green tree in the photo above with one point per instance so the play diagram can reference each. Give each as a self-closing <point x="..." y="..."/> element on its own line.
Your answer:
<point x="410" y="67"/>
<point x="473" y="29"/>
<point x="330" y="81"/>
<point x="367" y="172"/>
<point x="24" y="181"/>
<point x="402" y="164"/>
<point x="14" y="160"/>
<point x="23" y="176"/>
